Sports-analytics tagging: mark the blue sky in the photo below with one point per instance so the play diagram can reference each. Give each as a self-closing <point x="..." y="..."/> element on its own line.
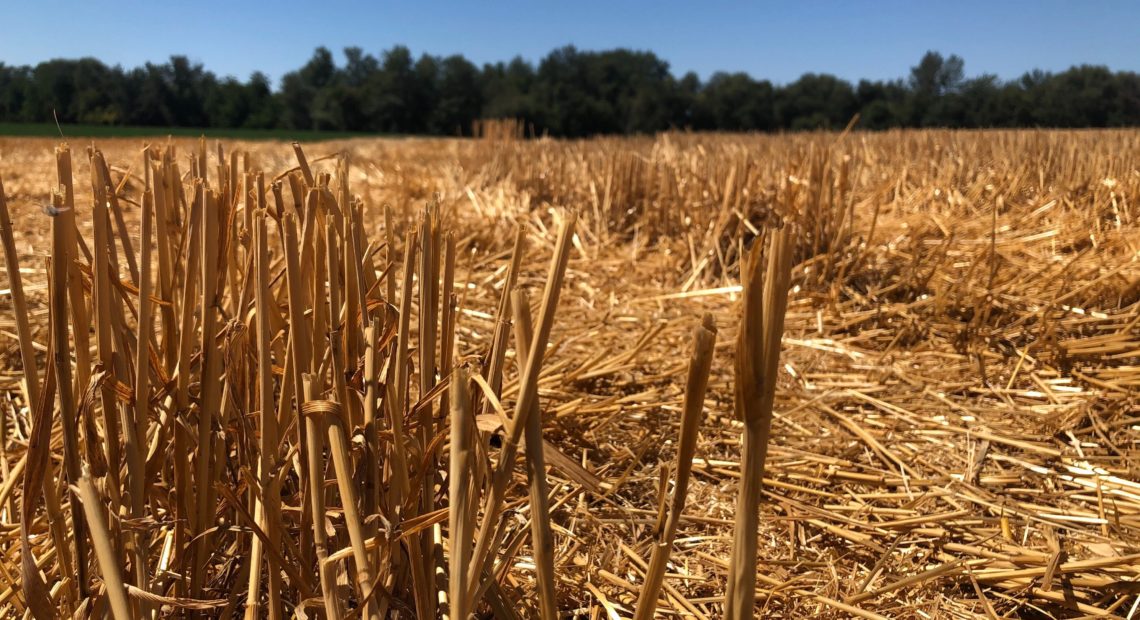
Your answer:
<point x="773" y="40"/>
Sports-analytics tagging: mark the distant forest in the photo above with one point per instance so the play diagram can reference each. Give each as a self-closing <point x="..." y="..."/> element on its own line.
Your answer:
<point x="568" y="93"/>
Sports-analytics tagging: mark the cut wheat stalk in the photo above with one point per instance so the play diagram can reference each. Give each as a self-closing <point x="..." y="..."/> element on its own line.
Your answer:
<point x="312" y="413"/>
<point x="140" y="424"/>
<point x="106" y="328"/>
<point x="65" y="211"/>
<point x="757" y="360"/>
<point x="400" y="486"/>
<point x="370" y="462"/>
<point x="389" y="255"/>
<point x="19" y="306"/>
<point x="267" y="507"/>
<point x="163" y="207"/>
<point x="316" y="273"/>
<point x="38" y="475"/>
<point x="300" y="343"/>
<point x="336" y="327"/>
<point x="121" y="232"/>
<point x="303" y="164"/>
<point x="188" y="272"/>
<point x="447" y="319"/>
<point x="527" y="401"/>
<point x="700" y="365"/>
<point x="355" y="319"/>
<point x="398" y="404"/>
<point x="493" y="369"/>
<point x="460" y="507"/>
<point x="446" y="357"/>
<point x="121" y="607"/>
<point x="427" y="594"/>
<point x="61" y="362"/>
<point x="541" y="533"/>
<point x="211" y="404"/>
<point x="342" y="464"/>
<point x="31" y="384"/>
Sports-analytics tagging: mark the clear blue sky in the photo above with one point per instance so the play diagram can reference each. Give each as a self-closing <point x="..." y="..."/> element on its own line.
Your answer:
<point x="774" y="40"/>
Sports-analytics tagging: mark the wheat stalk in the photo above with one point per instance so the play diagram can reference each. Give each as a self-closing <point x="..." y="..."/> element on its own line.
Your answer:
<point x="528" y="399"/>
<point x="700" y="364"/>
<point x="105" y="552"/>
<point x="541" y="533"/>
<point x="757" y="358"/>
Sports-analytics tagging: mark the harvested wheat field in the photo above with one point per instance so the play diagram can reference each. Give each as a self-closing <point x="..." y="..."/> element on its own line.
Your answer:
<point x="423" y="378"/>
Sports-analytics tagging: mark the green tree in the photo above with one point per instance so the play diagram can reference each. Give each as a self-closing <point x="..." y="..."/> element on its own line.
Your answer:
<point x="15" y="82"/>
<point x="264" y="106"/>
<point x="300" y="90"/>
<point x="570" y="93"/>
<point x="882" y="105"/>
<point x="931" y="79"/>
<point x="816" y="101"/>
<point x="736" y="102"/>
<point x="507" y="91"/>
<point x="459" y="97"/>
<point x="391" y="92"/>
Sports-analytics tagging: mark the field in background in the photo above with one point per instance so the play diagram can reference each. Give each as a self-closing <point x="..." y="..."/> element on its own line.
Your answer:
<point x="955" y="431"/>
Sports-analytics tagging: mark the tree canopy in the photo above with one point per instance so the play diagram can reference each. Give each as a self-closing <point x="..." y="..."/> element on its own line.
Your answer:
<point x="570" y="92"/>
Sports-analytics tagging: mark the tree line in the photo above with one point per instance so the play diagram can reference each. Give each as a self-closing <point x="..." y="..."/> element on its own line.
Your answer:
<point x="570" y="93"/>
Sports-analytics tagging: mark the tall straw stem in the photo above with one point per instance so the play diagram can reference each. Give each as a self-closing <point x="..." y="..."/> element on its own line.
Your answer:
<point x="19" y="307"/>
<point x="104" y="548"/>
<point x="541" y="533"/>
<point x="267" y="508"/>
<point x="315" y="469"/>
<point x="61" y="361"/>
<point x="528" y="397"/>
<point x="142" y="395"/>
<point x="461" y="507"/>
<point x="700" y="364"/>
<point x="211" y="385"/>
<point x="757" y="359"/>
